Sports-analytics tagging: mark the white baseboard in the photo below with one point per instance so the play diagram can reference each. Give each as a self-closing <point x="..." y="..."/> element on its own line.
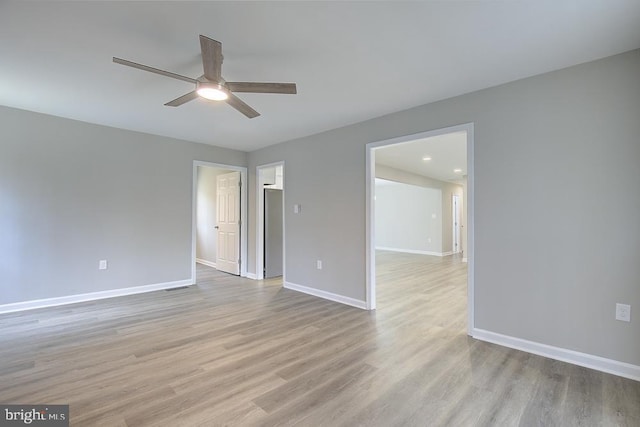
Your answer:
<point x="72" y="299"/>
<point x="326" y="295"/>
<point x="598" y="363"/>
<point x="413" y="251"/>
<point x="252" y="276"/>
<point x="205" y="262"/>
<point x="464" y="259"/>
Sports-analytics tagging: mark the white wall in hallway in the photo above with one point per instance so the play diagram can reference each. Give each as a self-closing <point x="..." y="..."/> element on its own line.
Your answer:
<point x="447" y="189"/>
<point x="408" y="218"/>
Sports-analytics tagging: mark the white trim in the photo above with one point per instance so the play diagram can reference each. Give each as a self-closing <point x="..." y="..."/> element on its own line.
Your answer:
<point x="469" y="251"/>
<point x="465" y="259"/>
<point x="598" y="363"/>
<point x="413" y="251"/>
<point x="205" y="262"/>
<point x="244" y="207"/>
<point x="260" y="219"/>
<point x="369" y="221"/>
<point x="251" y="276"/>
<point x="92" y="296"/>
<point x="370" y="170"/>
<point x="326" y="295"/>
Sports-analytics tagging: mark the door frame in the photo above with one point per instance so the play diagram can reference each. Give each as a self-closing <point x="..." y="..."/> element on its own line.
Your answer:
<point x="260" y="220"/>
<point x="243" y="213"/>
<point x="370" y="171"/>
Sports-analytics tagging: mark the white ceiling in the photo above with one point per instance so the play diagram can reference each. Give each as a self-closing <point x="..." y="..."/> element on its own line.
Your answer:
<point x="352" y="61"/>
<point x="447" y="152"/>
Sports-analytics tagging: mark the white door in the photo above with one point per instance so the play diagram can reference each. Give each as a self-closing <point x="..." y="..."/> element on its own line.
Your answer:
<point x="228" y="222"/>
<point x="456" y="224"/>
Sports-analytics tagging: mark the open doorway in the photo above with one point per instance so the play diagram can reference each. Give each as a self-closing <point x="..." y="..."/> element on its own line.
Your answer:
<point x="415" y="184"/>
<point x="219" y="218"/>
<point x="270" y="242"/>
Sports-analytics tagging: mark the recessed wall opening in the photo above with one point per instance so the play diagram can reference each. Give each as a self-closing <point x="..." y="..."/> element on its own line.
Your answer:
<point x="420" y="223"/>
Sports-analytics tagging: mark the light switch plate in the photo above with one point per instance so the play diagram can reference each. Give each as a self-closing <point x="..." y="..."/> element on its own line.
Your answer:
<point x="623" y="312"/>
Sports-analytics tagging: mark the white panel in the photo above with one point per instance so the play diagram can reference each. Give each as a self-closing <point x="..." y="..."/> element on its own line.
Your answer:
<point x="228" y="223"/>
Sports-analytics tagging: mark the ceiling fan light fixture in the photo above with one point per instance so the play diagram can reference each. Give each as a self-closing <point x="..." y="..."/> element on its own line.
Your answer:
<point x="211" y="85"/>
<point x="212" y="91"/>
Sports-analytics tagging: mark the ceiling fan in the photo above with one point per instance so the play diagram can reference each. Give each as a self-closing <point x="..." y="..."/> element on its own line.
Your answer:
<point x="211" y="85"/>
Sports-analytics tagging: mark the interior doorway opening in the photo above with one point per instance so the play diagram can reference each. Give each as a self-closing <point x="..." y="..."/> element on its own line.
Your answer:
<point x="270" y="230"/>
<point x="418" y="192"/>
<point x="219" y="208"/>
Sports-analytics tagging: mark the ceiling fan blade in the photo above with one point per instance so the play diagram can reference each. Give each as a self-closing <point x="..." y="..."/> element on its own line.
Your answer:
<point x="285" y="88"/>
<point x="182" y="99"/>
<point x="153" y="70"/>
<point x="240" y="105"/>
<point x="211" y="58"/>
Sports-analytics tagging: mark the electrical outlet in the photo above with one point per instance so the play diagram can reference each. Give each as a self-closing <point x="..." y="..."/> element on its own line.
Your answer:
<point x="623" y="312"/>
<point x="319" y="264"/>
<point x="102" y="265"/>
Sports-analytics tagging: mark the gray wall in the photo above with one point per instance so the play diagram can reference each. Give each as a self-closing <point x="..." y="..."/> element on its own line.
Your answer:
<point x="556" y="195"/>
<point x="324" y="178"/>
<point x="72" y="193"/>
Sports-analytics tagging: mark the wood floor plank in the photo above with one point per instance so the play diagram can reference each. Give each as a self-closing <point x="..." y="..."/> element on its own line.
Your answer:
<point x="237" y="352"/>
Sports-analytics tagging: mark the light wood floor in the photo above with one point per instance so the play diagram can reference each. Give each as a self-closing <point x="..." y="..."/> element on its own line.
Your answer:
<point x="231" y="351"/>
